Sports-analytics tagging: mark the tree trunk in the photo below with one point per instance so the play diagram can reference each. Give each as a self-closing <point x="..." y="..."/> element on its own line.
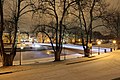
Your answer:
<point x="86" y="52"/>
<point x="57" y="56"/>
<point x="7" y="60"/>
<point x="10" y="37"/>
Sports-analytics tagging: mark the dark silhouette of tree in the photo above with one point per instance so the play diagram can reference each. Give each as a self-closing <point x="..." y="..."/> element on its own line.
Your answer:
<point x="9" y="28"/>
<point x="97" y="35"/>
<point x="57" y="9"/>
<point x="88" y="12"/>
<point x="111" y="21"/>
<point x="7" y="59"/>
<point x="1" y="29"/>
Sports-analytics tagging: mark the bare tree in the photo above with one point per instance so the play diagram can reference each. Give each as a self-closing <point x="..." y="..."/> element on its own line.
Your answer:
<point x="111" y="21"/>
<point x="7" y="59"/>
<point x="1" y="28"/>
<point x="57" y="9"/>
<point x="9" y="28"/>
<point x="88" y="12"/>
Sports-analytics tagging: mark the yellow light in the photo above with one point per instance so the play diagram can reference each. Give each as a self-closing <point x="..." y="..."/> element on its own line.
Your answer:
<point x="48" y="40"/>
<point x="99" y="42"/>
<point x="48" y="52"/>
<point x="114" y="41"/>
<point x="73" y="40"/>
<point x="21" y="47"/>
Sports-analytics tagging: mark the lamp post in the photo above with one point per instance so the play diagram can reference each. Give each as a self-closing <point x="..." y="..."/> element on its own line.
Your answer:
<point x="99" y="42"/>
<point x="64" y="54"/>
<point x="90" y="46"/>
<point x="21" y="55"/>
<point x="114" y="42"/>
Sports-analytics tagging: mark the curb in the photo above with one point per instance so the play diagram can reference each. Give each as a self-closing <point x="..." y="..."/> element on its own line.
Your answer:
<point x="87" y="60"/>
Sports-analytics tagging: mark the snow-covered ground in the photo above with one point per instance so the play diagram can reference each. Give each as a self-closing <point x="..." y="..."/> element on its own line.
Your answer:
<point x="102" y="67"/>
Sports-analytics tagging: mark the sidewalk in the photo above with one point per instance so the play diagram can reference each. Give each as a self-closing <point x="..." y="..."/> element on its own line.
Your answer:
<point x="34" y="63"/>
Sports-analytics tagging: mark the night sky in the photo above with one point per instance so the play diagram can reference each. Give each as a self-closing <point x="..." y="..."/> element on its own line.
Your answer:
<point x="114" y="4"/>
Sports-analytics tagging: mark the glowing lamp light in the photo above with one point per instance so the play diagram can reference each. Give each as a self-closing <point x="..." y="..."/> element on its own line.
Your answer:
<point x="99" y="42"/>
<point x="73" y="40"/>
<point x="22" y="40"/>
<point x="114" y="41"/>
<point x="21" y="47"/>
<point x="48" y="52"/>
<point x="48" y="40"/>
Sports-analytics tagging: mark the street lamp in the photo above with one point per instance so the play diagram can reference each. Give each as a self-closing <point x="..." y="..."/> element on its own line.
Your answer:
<point x="99" y="42"/>
<point x="90" y="46"/>
<point x="114" y="42"/>
<point x="21" y="55"/>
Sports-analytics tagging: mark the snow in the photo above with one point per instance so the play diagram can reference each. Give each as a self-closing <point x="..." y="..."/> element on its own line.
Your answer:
<point x="102" y="67"/>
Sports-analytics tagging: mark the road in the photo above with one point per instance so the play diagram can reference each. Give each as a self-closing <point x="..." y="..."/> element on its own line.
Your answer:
<point x="26" y="55"/>
<point x="107" y="68"/>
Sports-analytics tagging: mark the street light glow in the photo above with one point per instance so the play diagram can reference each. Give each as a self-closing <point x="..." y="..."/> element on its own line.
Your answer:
<point x="99" y="42"/>
<point x="114" y="41"/>
<point x="21" y="47"/>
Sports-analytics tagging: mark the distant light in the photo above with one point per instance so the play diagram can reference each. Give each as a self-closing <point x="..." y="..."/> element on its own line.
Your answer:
<point x="114" y="41"/>
<point x="48" y="40"/>
<point x="73" y="40"/>
<point x="21" y="47"/>
<point x="48" y="52"/>
<point x="21" y="40"/>
<point x="98" y="42"/>
<point x="79" y="40"/>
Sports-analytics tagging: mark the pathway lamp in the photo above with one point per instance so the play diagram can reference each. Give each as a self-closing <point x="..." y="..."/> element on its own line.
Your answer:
<point x="90" y="46"/>
<point x="114" y="42"/>
<point x="98" y="42"/>
<point x="21" y="48"/>
<point x="64" y="53"/>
